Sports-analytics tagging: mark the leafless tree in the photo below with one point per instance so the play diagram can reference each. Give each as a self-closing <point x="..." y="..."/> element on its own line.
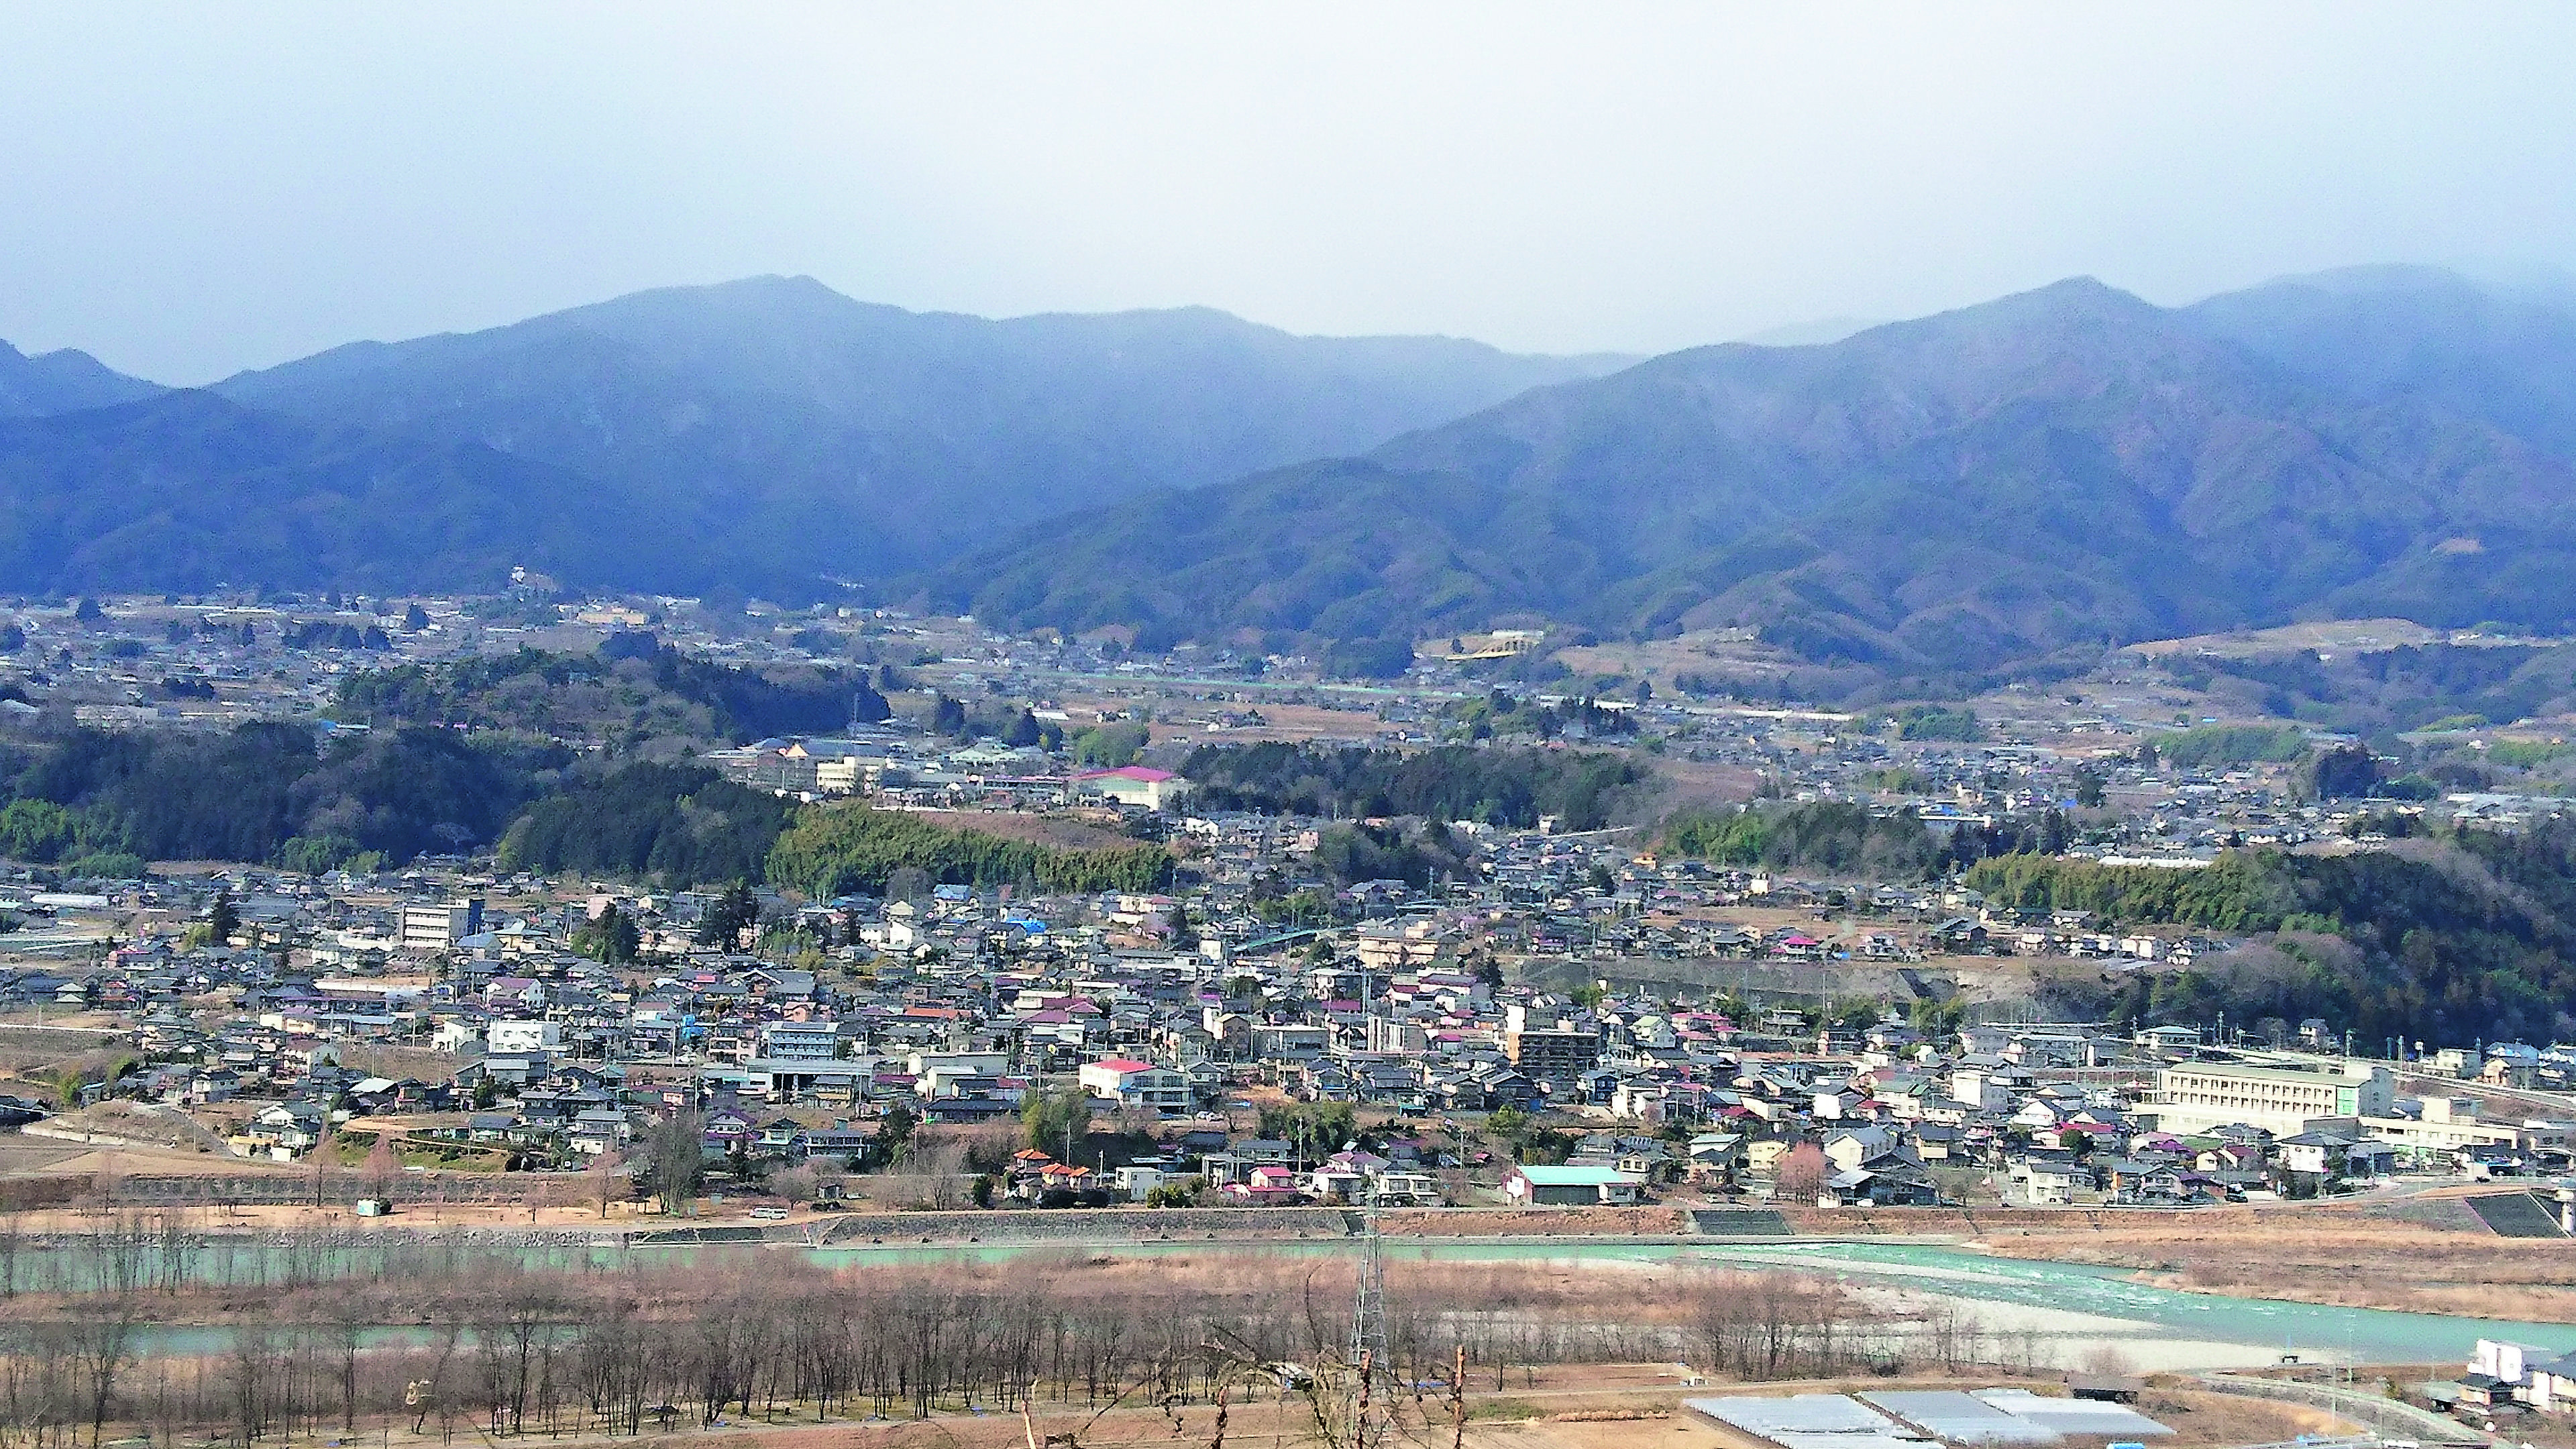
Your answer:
<point x="796" y="1184"/>
<point x="508" y="1345"/>
<point x="511" y="1343"/>
<point x="348" y="1327"/>
<point x="942" y="1166"/>
<point x="325" y="1157"/>
<point x="1801" y="1174"/>
<point x="605" y="1180"/>
<point x="10" y="1240"/>
<point x="383" y="1167"/>
<point x="102" y="1342"/>
<point x="250" y="1370"/>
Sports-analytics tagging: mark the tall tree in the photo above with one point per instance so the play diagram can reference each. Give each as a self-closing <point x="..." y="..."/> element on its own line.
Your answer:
<point x="1057" y="1121"/>
<point x="1801" y="1175"/>
<point x="221" y="919"/>
<point x="605" y="1180"/>
<point x="728" y="916"/>
<point x="676" y="1160"/>
<point x="610" y="936"/>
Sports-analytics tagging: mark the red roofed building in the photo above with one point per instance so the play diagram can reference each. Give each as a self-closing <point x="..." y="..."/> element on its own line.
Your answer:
<point x="1132" y="1083"/>
<point x="1134" y="785"/>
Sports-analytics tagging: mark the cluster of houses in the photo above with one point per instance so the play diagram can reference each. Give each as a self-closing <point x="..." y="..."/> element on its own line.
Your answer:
<point x="2504" y="1378"/>
<point x="458" y="1008"/>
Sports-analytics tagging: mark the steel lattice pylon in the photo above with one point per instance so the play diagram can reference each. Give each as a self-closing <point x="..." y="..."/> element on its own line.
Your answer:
<point x="1369" y="1359"/>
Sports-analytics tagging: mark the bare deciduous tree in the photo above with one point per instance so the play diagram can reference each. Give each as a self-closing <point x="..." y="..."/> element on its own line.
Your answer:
<point x="1801" y="1175"/>
<point x="605" y="1181"/>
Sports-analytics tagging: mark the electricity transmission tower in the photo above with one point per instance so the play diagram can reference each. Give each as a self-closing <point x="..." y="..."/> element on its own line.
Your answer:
<point x="1368" y="1318"/>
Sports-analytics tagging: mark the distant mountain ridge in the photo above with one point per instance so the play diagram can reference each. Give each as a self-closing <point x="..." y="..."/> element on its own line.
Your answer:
<point x="186" y="490"/>
<point x="854" y="439"/>
<point x="762" y="436"/>
<point x="62" y="382"/>
<point x="2046" y="473"/>
<point x="2005" y="487"/>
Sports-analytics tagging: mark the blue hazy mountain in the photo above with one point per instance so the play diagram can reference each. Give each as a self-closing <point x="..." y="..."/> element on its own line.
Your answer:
<point x="2035" y="476"/>
<point x="62" y="382"/>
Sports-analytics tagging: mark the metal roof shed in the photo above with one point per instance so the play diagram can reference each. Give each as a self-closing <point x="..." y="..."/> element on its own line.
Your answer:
<point x="1958" y="1418"/>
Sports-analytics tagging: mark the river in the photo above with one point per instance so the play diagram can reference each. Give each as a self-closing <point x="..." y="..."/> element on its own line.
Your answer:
<point x="2075" y="1305"/>
<point x="2060" y="1293"/>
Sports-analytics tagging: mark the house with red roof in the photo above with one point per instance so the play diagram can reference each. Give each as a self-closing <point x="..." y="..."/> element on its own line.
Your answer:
<point x="1137" y="785"/>
<point x="1265" y="1186"/>
<point x="1131" y="1083"/>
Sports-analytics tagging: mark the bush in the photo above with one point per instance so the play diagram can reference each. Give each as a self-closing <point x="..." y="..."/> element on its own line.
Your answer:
<point x="1109" y="746"/>
<point x="680" y="825"/>
<point x="2429" y="950"/>
<point x="1386" y="658"/>
<point x="1936" y="722"/>
<point x="112" y="865"/>
<point x="836" y="850"/>
<point x="316" y="854"/>
<point x="2219" y="746"/>
<point x="36" y="830"/>
<point x="1453" y="782"/>
<point x="1818" y="835"/>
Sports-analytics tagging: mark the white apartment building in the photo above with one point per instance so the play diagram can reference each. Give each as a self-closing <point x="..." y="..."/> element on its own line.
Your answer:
<point x="2445" y="1124"/>
<point x="800" y="1041"/>
<point x="436" y="927"/>
<point x="522" y="1038"/>
<point x="2197" y="1096"/>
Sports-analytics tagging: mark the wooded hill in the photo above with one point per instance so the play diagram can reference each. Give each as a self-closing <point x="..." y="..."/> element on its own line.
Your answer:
<point x="2469" y="936"/>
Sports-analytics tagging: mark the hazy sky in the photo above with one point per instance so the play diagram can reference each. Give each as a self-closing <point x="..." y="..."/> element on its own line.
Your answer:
<point x="190" y="189"/>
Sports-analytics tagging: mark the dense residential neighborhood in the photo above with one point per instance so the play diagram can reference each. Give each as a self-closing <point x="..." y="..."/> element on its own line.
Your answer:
<point x="1221" y="1052"/>
<point x="1510" y="1005"/>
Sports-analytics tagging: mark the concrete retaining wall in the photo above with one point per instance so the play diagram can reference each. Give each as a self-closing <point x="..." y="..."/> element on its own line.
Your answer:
<point x="1079" y="1225"/>
<point x="2376" y="1411"/>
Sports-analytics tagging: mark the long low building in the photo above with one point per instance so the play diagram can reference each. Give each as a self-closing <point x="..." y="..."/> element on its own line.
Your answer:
<point x="1808" y="1421"/>
<point x="1536" y="1186"/>
<point x="2198" y="1096"/>
<point x="2445" y="1124"/>
<point x="2358" y="1099"/>
<point x="1955" y="1417"/>
<point x="1980" y="1419"/>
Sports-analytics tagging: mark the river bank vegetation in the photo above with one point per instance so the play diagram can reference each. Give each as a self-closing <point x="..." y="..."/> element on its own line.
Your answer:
<point x="473" y="1344"/>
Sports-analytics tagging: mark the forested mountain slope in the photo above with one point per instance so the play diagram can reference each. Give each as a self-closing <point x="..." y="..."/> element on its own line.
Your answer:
<point x="2038" y="475"/>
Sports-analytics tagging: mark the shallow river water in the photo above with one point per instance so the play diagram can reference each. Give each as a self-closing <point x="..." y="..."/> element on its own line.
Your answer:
<point x="2272" y="1326"/>
<point x="2074" y="1304"/>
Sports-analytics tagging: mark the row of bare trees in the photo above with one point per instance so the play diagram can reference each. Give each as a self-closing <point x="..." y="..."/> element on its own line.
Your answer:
<point x="159" y="1251"/>
<point x="513" y="1350"/>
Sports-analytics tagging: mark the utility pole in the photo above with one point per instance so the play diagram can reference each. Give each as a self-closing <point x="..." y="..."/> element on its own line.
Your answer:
<point x="1368" y="1014"/>
<point x="1458" y="1401"/>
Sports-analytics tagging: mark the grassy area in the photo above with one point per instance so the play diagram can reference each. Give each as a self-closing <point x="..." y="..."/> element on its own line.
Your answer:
<point x="351" y="1149"/>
